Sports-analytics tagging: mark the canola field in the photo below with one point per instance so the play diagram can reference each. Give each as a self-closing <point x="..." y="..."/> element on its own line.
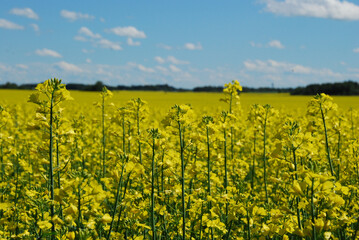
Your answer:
<point x="156" y="165"/>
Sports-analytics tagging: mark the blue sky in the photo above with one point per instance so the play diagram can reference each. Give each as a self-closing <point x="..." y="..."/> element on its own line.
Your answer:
<point x="286" y="43"/>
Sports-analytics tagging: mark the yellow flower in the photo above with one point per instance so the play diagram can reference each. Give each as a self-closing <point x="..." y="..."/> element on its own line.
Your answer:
<point x="71" y="235"/>
<point x="106" y="218"/>
<point x="44" y="225"/>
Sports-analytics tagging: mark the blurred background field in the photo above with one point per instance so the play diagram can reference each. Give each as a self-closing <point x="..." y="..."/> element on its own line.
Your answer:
<point x="199" y="101"/>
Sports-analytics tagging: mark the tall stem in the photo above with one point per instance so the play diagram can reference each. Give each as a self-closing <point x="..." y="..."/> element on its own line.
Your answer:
<point x="103" y="138"/>
<point x="327" y="142"/>
<point x="297" y="198"/>
<point x="138" y="134"/>
<point x="264" y="156"/>
<point x="312" y="212"/>
<point x="119" y="185"/>
<point x="209" y="175"/>
<point x="254" y="159"/>
<point x="153" y="193"/>
<point x="225" y="172"/>
<point x="51" y="173"/>
<point x="182" y="182"/>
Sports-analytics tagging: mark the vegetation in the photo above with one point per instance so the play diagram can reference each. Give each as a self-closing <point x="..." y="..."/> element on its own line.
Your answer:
<point x="121" y="170"/>
<point x="341" y="88"/>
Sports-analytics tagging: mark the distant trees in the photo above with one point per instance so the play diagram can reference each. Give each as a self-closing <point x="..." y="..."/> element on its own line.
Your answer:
<point x="340" y="88"/>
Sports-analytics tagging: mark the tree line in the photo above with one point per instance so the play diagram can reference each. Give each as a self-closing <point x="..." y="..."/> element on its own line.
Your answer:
<point x="339" y="88"/>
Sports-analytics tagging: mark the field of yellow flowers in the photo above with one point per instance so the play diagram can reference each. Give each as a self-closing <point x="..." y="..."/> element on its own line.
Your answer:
<point x="216" y="169"/>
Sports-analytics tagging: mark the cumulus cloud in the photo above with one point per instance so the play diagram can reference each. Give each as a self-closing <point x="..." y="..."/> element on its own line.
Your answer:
<point x="73" y="16"/>
<point x="356" y="50"/>
<point x="333" y="9"/>
<point x="174" y="60"/>
<point x="130" y="42"/>
<point x="253" y="44"/>
<point x="173" y="68"/>
<point x="129" y="31"/>
<point x="275" y="67"/>
<point x="9" y="25"/>
<point x="87" y="32"/>
<point x="24" y="12"/>
<point x="162" y="69"/>
<point x="164" y="46"/>
<point x="272" y="44"/>
<point x="69" y="67"/>
<point x="276" y="44"/>
<point x="170" y="59"/>
<point x="35" y="27"/>
<point x="80" y="38"/>
<point x="22" y="66"/>
<point x="160" y="60"/>
<point x="145" y="69"/>
<point x="48" y="52"/>
<point x="105" y="43"/>
<point x="192" y="46"/>
<point x="86" y="35"/>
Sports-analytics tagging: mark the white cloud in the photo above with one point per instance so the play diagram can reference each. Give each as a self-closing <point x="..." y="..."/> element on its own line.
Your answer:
<point x="35" y="27"/>
<point x="170" y="59"/>
<point x="87" y="32"/>
<point x="24" y="12"/>
<point x="173" y="68"/>
<point x="192" y="46"/>
<point x="96" y="39"/>
<point x="164" y="46"/>
<point x="276" y="44"/>
<point x="160" y="60"/>
<point x="145" y="69"/>
<point x="73" y="16"/>
<point x="272" y="44"/>
<point x="88" y="60"/>
<point x="129" y="31"/>
<point x="174" y="60"/>
<point x="9" y="25"/>
<point x="161" y="68"/>
<point x="69" y="67"/>
<point x="356" y="50"/>
<point x="130" y="42"/>
<point x="80" y="38"/>
<point x="253" y="44"/>
<point x="22" y="66"/>
<point x="48" y="52"/>
<point x="105" y="43"/>
<point x="334" y="9"/>
<point x="5" y="68"/>
<point x="84" y="50"/>
<point x="275" y="67"/>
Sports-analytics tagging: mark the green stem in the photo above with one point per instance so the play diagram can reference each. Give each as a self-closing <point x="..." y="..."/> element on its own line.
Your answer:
<point x="123" y="134"/>
<point x="253" y="160"/>
<point x="182" y="182"/>
<point x="314" y="234"/>
<point x="327" y="142"/>
<point x="51" y="172"/>
<point x="116" y="201"/>
<point x="153" y="192"/>
<point x="225" y="173"/>
<point x="103" y="138"/>
<point x="297" y="198"/>
<point x="264" y="155"/>
<point x="248" y="226"/>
